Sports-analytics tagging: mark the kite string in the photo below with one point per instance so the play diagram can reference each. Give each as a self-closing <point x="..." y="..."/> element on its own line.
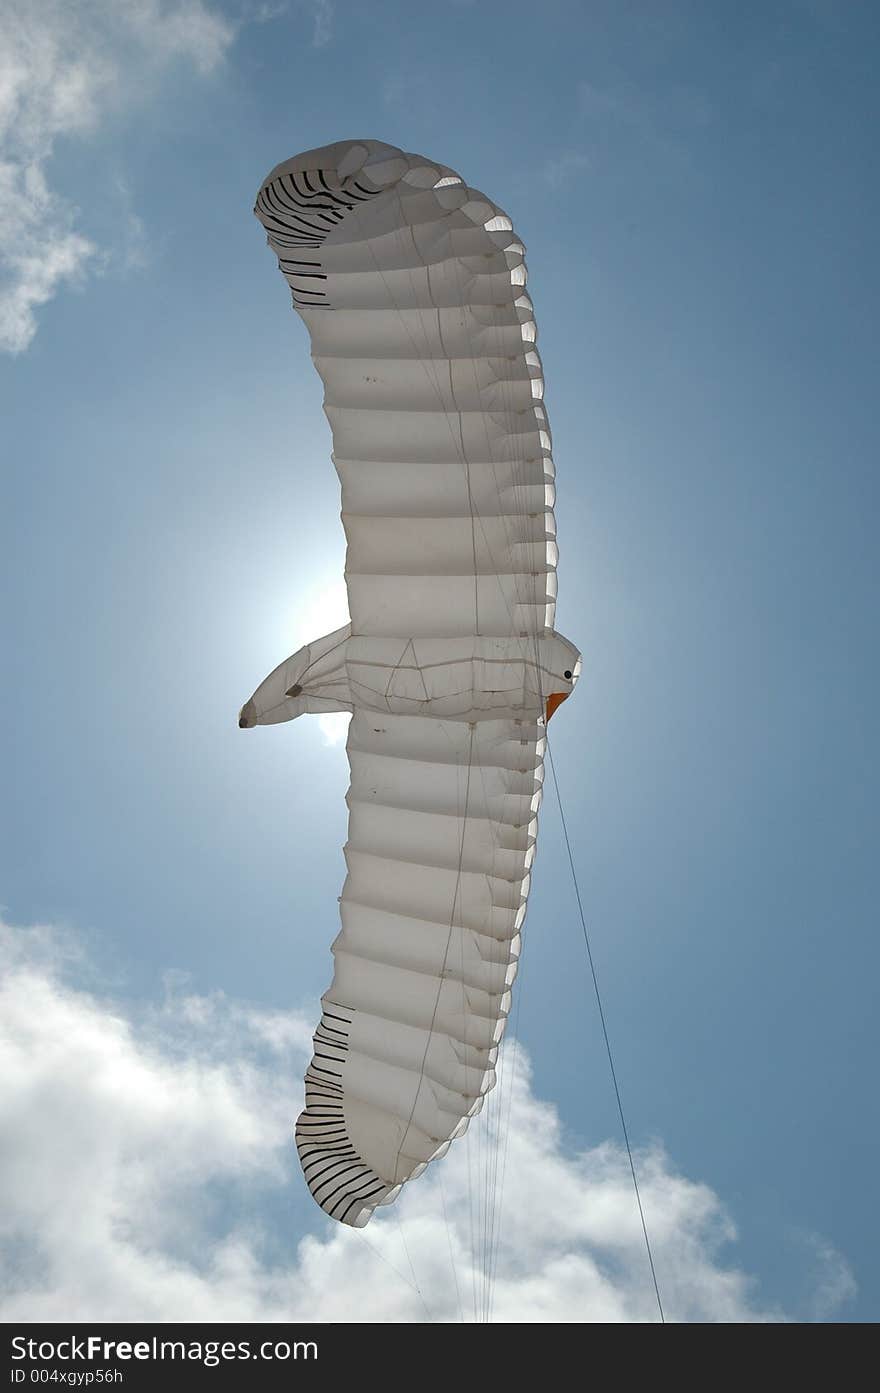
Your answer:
<point x="413" y="1286"/>
<point x="451" y="1251"/>
<point x="606" y="1036"/>
<point x="411" y="1267"/>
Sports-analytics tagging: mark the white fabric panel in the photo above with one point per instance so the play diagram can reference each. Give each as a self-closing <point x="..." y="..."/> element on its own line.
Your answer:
<point x="406" y="489"/>
<point x="412" y="286"/>
<point x="431" y="545"/>
<point x="448" y="334"/>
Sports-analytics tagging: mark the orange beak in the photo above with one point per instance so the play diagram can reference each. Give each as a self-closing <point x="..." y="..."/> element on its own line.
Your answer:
<point x="554" y="700"/>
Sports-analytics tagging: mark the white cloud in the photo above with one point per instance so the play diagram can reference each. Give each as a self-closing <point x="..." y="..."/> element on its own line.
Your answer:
<point x="39" y="250"/>
<point x="65" y="65"/>
<point x="145" y="1150"/>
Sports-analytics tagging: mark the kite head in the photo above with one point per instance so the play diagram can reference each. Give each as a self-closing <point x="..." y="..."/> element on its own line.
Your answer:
<point x="564" y="664"/>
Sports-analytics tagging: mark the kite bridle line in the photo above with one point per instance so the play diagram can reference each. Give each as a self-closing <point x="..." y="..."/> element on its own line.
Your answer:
<point x="606" y="1038"/>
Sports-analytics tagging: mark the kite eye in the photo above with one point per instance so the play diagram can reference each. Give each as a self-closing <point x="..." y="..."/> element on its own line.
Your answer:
<point x="567" y="673"/>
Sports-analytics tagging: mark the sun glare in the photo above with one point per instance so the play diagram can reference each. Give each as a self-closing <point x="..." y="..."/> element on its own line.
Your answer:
<point x="320" y="610"/>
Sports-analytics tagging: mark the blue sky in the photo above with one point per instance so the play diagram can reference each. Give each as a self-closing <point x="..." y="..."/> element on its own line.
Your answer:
<point x="696" y="187"/>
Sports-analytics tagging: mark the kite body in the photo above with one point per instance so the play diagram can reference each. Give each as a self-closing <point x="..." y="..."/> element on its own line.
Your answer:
<point x="412" y="286"/>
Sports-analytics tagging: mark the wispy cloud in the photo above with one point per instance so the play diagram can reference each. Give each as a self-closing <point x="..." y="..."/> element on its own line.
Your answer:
<point x="145" y="1149"/>
<point x="322" y="21"/>
<point x="565" y="168"/>
<point x="621" y="118"/>
<point x="833" y="1283"/>
<point x="134" y="243"/>
<point x="65" y="66"/>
